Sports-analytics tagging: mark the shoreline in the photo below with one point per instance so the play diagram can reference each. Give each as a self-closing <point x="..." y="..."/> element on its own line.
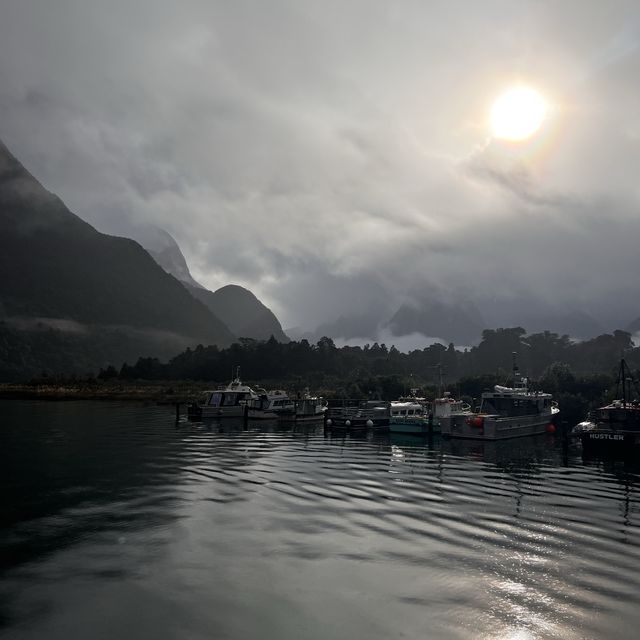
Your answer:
<point x="166" y="393"/>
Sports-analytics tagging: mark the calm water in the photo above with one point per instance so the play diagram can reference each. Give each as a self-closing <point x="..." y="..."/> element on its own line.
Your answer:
<point x="118" y="523"/>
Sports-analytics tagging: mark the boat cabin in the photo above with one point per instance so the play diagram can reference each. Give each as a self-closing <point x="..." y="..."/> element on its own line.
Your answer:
<point x="515" y="402"/>
<point x="223" y="398"/>
<point x="404" y="409"/>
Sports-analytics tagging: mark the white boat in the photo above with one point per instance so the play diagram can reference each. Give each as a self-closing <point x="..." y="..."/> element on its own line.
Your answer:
<point x="306" y="408"/>
<point x="269" y="405"/>
<point x="446" y="406"/>
<point x="225" y="402"/>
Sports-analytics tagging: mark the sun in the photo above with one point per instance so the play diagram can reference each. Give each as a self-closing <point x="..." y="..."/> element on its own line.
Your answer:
<point x="518" y="113"/>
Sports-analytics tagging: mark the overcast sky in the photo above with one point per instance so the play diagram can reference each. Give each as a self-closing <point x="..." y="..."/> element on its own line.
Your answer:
<point x="330" y="154"/>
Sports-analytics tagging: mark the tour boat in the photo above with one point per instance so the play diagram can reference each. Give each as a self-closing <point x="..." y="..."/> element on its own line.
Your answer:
<point x="614" y="427"/>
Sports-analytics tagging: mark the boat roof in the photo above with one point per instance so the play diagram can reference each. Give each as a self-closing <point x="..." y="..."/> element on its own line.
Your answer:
<point x="514" y="392"/>
<point x="618" y="404"/>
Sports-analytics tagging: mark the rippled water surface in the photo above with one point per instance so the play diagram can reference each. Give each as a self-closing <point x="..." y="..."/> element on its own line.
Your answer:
<point x="119" y="523"/>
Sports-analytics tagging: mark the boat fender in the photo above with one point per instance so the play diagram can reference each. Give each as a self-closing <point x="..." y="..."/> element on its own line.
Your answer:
<point x="551" y="428"/>
<point x="475" y="421"/>
<point x="369" y="423"/>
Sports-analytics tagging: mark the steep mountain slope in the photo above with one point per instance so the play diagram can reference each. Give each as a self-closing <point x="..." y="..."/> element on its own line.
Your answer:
<point x="242" y="312"/>
<point x="236" y="306"/>
<point x="55" y="265"/>
<point x="165" y="251"/>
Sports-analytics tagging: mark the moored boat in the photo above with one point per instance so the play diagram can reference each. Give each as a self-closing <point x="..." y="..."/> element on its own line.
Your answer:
<point x="269" y="405"/>
<point x="410" y="417"/>
<point x="229" y="401"/>
<point x="306" y="408"/>
<point x="446" y="406"/>
<point x="615" y="427"/>
<point x="505" y="412"/>
<point x="357" y="415"/>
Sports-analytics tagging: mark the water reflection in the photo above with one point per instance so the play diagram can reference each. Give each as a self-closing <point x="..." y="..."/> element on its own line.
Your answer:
<point x="260" y="530"/>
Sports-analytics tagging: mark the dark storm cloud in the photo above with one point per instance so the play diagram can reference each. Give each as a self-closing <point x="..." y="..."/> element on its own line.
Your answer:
<point x="335" y="154"/>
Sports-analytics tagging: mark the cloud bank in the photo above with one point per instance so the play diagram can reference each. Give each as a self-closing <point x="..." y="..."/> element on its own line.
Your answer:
<point x="335" y="156"/>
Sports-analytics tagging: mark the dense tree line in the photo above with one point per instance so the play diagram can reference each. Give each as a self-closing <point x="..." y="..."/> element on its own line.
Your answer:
<point x="577" y="372"/>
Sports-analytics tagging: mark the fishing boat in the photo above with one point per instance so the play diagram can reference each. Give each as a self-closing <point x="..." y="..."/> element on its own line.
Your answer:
<point x="615" y="427"/>
<point x="447" y="406"/>
<point x="505" y="412"/>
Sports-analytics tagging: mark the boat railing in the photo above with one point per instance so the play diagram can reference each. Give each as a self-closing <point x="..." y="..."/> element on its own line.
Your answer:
<point x="349" y="409"/>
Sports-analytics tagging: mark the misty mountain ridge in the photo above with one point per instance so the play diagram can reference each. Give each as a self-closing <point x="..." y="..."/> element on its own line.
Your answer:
<point x="54" y="265"/>
<point x="165" y="251"/>
<point x="451" y="317"/>
<point x="236" y="306"/>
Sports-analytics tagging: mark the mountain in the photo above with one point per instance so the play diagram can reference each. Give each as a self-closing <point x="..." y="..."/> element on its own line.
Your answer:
<point x="165" y="251"/>
<point x="537" y="315"/>
<point x="359" y="325"/>
<point x="55" y="266"/>
<point x="457" y="322"/>
<point x="236" y="306"/>
<point x="242" y="312"/>
<point x="577" y="324"/>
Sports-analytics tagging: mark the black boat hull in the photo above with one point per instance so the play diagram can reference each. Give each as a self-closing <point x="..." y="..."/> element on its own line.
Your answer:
<point x="611" y="442"/>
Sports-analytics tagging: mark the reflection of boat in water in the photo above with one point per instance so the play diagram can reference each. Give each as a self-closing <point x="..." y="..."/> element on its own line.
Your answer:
<point x="615" y="427"/>
<point x="505" y="412"/>
<point x="503" y="453"/>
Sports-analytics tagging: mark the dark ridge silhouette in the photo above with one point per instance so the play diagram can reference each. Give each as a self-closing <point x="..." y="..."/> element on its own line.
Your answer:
<point x="242" y="312"/>
<point x="55" y="265"/>
<point x="236" y="306"/>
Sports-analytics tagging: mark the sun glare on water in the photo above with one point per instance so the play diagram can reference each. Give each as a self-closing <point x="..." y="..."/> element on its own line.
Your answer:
<point x="518" y="113"/>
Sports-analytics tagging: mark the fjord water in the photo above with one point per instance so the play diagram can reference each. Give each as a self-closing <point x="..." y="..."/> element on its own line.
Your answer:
<point x="118" y="522"/>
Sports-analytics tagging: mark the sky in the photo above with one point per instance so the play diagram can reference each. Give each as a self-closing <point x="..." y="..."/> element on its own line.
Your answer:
<point x="337" y="156"/>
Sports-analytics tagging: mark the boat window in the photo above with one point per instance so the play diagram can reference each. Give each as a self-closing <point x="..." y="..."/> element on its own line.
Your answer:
<point x="214" y="399"/>
<point x="511" y="407"/>
<point x="230" y="399"/>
